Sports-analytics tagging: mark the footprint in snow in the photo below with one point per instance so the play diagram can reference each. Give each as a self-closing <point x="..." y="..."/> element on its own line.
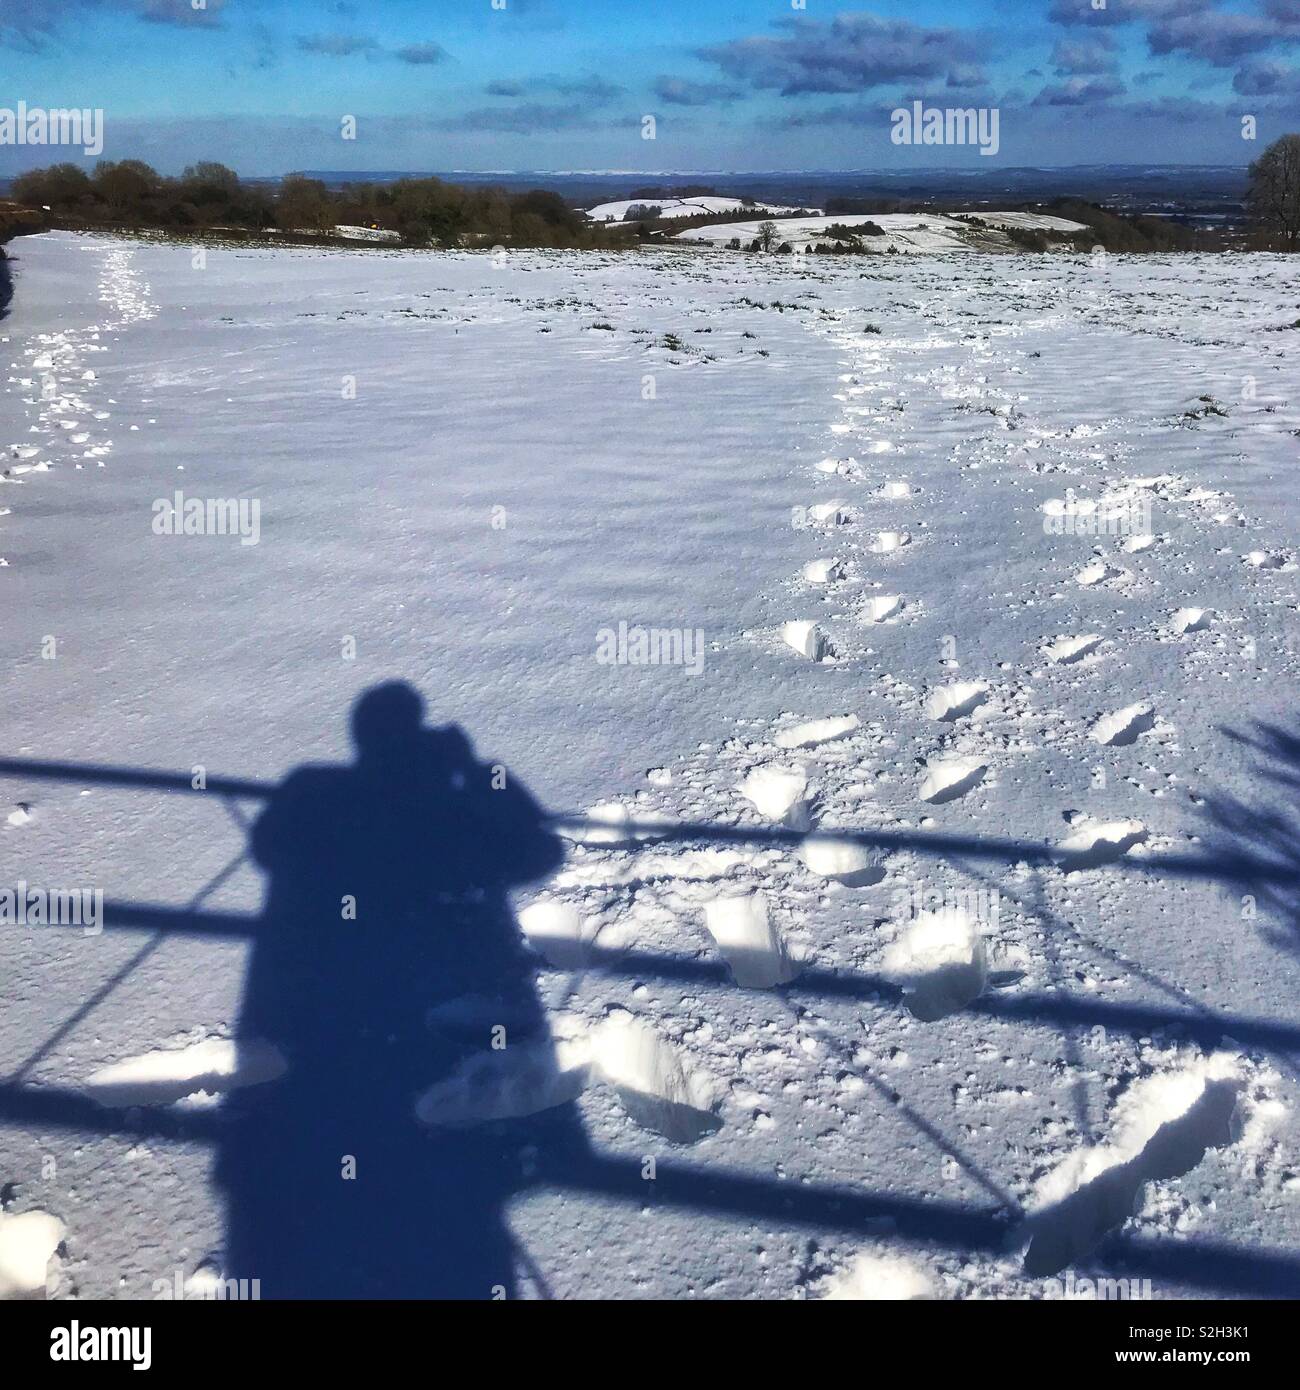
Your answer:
<point x="750" y="941"/>
<point x="1065" y="651"/>
<point x="946" y="779"/>
<point x="1099" y="844"/>
<point x="1192" y="619"/>
<point x="816" y="731"/>
<point x="830" y="514"/>
<point x="1160" y="1129"/>
<point x="780" y="794"/>
<point x="951" y="702"/>
<point x="824" y="571"/>
<point x="882" y="608"/>
<point x="654" y="1082"/>
<point x="807" y="639"/>
<point x="895" y="492"/>
<point x="844" y="860"/>
<point x="939" y="963"/>
<point x="29" y="1240"/>
<point x="1124" y="725"/>
<point x="1097" y="572"/>
<point x="887" y="542"/>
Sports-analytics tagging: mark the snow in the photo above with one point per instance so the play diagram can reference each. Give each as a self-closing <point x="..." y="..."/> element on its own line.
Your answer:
<point x="171" y="1074"/>
<point x="28" y="1243"/>
<point x="852" y="1080"/>
<point x="682" y="207"/>
<point x="1029" y="221"/>
<point x="365" y="233"/>
<point x="904" y="232"/>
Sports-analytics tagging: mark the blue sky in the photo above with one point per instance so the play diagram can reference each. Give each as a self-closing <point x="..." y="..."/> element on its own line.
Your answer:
<point x="264" y="85"/>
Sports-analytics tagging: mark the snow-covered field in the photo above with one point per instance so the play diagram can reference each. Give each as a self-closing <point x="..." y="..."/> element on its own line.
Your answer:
<point x="993" y="565"/>
<point x="904" y="232"/>
<point x="680" y="207"/>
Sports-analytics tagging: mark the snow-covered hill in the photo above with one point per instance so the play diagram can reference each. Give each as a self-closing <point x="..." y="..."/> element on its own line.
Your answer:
<point x="681" y="207"/>
<point x="902" y="231"/>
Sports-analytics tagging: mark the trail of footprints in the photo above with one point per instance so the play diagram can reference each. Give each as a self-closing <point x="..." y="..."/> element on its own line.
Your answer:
<point x="60" y="389"/>
<point x="822" y="775"/>
<point x="63" y="396"/>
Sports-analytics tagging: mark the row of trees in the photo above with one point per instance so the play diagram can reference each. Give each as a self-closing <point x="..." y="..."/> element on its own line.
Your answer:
<point x="423" y="211"/>
<point x="427" y="211"/>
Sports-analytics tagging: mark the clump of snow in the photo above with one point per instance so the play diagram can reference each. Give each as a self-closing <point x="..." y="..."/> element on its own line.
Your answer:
<point x="940" y="963"/>
<point x="777" y="793"/>
<point x="842" y="859"/>
<point x="807" y="639"/>
<point x="511" y="1082"/>
<point x="655" y="1083"/>
<point x="213" y="1066"/>
<point x="895" y="1278"/>
<point x="749" y="939"/>
<point x="28" y="1242"/>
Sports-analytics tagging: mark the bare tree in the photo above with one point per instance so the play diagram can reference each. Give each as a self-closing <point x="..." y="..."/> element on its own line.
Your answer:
<point x="1274" y="196"/>
<point x="767" y="235"/>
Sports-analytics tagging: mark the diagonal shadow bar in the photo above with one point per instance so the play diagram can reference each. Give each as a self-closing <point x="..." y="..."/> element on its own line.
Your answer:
<point x="1234" y="868"/>
<point x="727" y="1192"/>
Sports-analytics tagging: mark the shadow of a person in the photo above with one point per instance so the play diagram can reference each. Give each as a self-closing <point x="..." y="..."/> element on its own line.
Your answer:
<point x="387" y="957"/>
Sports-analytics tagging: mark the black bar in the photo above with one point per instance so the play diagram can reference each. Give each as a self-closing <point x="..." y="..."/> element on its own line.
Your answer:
<point x="1235" y="868"/>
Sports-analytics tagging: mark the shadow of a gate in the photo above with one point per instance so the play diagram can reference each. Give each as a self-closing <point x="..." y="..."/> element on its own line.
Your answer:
<point x="723" y="1192"/>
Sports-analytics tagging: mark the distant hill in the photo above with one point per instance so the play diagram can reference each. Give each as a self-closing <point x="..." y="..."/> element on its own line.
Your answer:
<point x="1208" y="194"/>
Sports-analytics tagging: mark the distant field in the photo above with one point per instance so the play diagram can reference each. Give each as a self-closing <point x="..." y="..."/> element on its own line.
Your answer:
<point x="904" y="232"/>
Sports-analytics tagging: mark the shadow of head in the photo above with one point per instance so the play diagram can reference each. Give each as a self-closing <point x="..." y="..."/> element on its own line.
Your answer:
<point x="391" y="739"/>
<point x="387" y="722"/>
